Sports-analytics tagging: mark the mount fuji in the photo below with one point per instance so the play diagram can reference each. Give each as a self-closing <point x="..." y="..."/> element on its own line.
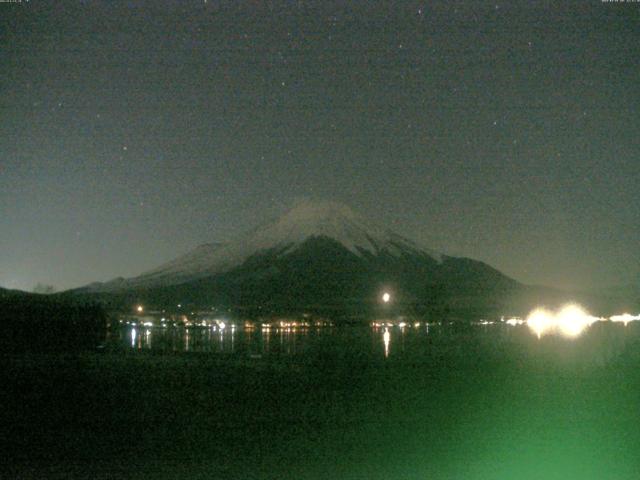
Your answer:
<point x="318" y="256"/>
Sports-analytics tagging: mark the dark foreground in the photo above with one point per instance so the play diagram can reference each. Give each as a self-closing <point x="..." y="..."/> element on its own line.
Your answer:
<point x="469" y="405"/>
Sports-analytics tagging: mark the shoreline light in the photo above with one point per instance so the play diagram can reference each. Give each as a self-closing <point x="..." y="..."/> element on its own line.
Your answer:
<point x="541" y="322"/>
<point x="514" y="321"/>
<point x="573" y="320"/>
<point x="624" y="318"/>
<point x="570" y="321"/>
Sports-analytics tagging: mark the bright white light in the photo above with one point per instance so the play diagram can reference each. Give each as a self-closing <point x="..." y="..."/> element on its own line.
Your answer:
<point x="386" y="297"/>
<point x="386" y="338"/>
<point x="221" y="325"/>
<point x="570" y="321"/>
<point x="625" y="318"/>
<point x="140" y="308"/>
<point x="573" y="320"/>
<point x="541" y="322"/>
<point x="514" y="321"/>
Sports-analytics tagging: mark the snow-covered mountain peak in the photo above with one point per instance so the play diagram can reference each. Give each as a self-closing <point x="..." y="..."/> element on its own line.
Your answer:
<point x="332" y="220"/>
<point x="305" y="221"/>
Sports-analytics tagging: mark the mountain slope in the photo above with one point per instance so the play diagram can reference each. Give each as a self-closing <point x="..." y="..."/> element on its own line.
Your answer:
<point x="317" y="257"/>
<point x="285" y="235"/>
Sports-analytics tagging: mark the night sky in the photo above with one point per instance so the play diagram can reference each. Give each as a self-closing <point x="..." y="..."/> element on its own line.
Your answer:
<point x="501" y="131"/>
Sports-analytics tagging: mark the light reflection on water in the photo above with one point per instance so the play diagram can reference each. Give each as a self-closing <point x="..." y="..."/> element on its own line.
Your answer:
<point x="237" y="339"/>
<point x="386" y="338"/>
<point x="601" y="342"/>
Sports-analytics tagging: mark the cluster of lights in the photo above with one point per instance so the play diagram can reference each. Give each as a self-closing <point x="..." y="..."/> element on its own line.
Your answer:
<point x="196" y="320"/>
<point x="401" y="324"/>
<point x="625" y="318"/>
<point x="485" y="322"/>
<point x="514" y="321"/>
<point x="292" y="324"/>
<point x="570" y="321"/>
<point x="289" y="324"/>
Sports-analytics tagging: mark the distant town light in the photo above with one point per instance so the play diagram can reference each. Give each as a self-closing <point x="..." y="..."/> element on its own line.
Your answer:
<point x="139" y="308"/>
<point x="541" y="322"/>
<point x="386" y="297"/>
<point x="514" y="321"/>
<point x="569" y="322"/>
<point x="573" y="320"/>
<point x="624" y="318"/>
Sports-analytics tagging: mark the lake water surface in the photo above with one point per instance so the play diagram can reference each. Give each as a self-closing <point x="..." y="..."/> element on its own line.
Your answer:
<point x="351" y="402"/>
<point x="601" y="343"/>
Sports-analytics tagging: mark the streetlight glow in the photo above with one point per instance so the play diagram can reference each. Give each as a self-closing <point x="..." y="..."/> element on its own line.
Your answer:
<point x="386" y="297"/>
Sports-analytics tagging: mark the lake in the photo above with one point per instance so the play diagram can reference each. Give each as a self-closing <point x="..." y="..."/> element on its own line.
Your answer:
<point x="352" y="402"/>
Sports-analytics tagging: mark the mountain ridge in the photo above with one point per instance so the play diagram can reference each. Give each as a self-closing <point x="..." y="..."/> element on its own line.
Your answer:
<point x="321" y="258"/>
<point x="306" y="220"/>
